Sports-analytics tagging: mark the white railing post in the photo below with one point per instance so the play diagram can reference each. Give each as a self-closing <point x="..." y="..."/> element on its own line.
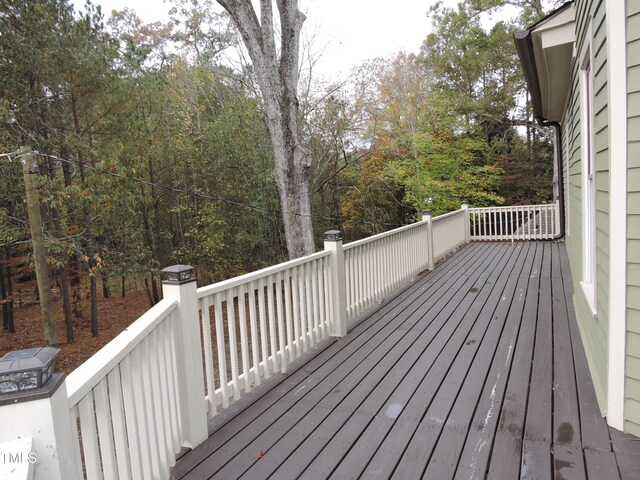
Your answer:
<point x="41" y="414"/>
<point x="337" y="283"/>
<point x="467" y="222"/>
<point x="426" y="217"/>
<point x="179" y="284"/>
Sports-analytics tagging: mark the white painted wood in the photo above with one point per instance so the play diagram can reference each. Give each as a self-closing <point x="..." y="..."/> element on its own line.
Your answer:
<point x="617" y="111"/>
<point x="288" y="312"/>
<point x="263" y="328"/>
<point x="221" y="347"/>
<point x="337" y="284"/>
<point x="233" y="342"/>
<point x="308" y="301"/>
<point x="171" y="363"/>
<point x="537" y="222"/>
<point x="86" y="376"/>
<point x="255" y="348"/>
<point x="426" y="217"/>
<point x="205" y="314"/>
<point x="119" y="426"/>
<point x="164" y="390"/>
<point x="272" y="324"/>
<point x="264" y="273"/>
<point x="322" y="284"/>
<point x="315" y="306"/>
<point x="105" y="432"/>
<point x="282" y="339"/>
<point x="189" y="355"/>
<point x="244" y="339"/>
<point x="90" y="450"/>
<point x="140" y="397"/>
<point x="158" y="389"/>
<point x="133" y="433"/>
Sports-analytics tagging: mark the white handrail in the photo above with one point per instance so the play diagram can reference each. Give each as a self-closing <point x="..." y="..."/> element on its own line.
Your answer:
<point x="258" y="274"/>
<point x="87" y="375"/>
<point x="382" y="235"/>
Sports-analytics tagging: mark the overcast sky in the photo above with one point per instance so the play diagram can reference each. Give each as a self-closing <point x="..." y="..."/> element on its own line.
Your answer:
<point x="350" y="30"/>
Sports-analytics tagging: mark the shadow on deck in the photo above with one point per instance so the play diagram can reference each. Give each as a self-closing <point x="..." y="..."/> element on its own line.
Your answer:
<point x="474" y="371"/>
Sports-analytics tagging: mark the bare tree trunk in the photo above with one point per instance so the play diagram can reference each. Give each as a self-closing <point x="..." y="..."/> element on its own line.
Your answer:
<point x="106" y="293"/>
<point x="63" y="274"/>
<point x="277" y="76"/>
<point x="39" y="250"/>
<point x="7" y="301"/>
<point x="93" y="285"/>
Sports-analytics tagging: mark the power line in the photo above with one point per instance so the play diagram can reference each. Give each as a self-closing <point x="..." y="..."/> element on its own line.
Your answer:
<point x="201" y="195"/>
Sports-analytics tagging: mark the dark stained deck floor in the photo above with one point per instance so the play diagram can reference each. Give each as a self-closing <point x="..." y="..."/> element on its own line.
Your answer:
<point x="474" y="371"/>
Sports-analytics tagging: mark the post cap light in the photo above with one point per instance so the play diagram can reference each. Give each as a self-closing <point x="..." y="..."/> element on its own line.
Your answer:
<point x="178" y="274"/>
<point x="426" y="213"/>
<point x="25" y="370"/>
<point x="332" y="236"/>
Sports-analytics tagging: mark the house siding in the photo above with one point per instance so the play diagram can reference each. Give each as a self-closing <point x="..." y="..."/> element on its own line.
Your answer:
<point x="593" y="328"/>
<point x="632" y="367"/>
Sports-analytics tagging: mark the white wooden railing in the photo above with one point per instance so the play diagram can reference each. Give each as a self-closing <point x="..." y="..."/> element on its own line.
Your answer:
<point x="124" y="402"/>
<point x="137" y="404"/>
<point x="450" y="231"/>
<point x="530" y="222"/>
<point x="377" y="265"/>
<point x="278" y="314"/>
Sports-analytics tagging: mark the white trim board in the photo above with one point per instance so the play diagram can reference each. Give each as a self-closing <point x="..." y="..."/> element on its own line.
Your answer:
<point x="617" y="74"/>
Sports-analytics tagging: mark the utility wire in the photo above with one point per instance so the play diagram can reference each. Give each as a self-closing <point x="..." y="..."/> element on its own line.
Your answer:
<point x="198" y="195"/>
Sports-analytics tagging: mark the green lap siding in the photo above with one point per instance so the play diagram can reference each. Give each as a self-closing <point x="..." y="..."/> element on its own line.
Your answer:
<point x="632" y="380"/>
<point x="594" y="328"/>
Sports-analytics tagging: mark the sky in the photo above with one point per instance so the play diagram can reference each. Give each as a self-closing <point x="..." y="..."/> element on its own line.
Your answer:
<point x="347" y="31"/>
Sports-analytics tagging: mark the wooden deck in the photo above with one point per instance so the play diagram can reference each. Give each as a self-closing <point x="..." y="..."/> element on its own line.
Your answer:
<point x="474" y="371"/>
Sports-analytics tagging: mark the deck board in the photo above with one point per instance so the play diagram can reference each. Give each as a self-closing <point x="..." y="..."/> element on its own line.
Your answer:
<point x="475" y="370"/>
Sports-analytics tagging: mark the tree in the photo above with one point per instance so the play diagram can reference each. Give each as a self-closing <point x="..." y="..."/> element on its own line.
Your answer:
<point x="277" y="74"/>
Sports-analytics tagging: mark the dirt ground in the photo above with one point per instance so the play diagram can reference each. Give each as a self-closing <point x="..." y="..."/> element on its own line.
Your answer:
<point x="114" y="315"/>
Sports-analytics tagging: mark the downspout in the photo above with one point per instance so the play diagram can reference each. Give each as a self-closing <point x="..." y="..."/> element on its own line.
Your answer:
<point x="524" y="46"/>
<point x="557" y="157"/>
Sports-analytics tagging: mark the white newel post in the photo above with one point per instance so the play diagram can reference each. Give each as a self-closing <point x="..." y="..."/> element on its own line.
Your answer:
<point x="467" y="222"/>
<point x="36" y="409"/>
<point x="333" y="242"/>
<point x="426" y="217"/>
<point x="179" y="284"/>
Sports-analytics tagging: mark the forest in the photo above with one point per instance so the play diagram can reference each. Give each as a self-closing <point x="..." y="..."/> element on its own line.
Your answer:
<point x="151" y="146"/>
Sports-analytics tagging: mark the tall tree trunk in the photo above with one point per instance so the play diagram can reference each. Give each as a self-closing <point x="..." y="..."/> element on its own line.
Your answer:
<point x="146" y="289"/>
<point x="7" y="302"/>
<point x="154" y="288"/>
<point x="9" y="277"/>
<point x="66" y="303"/>
<point x="39" y="249"/>
<point x="63" y="275"/>
<point x="105" y="284"/>
<point x="73" y="269"/>
<point x="277" y="76"/>
<point x="93" y="287"/>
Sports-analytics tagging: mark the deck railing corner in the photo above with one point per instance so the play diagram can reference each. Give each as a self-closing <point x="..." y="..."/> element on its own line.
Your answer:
<point x="181" y="288"/>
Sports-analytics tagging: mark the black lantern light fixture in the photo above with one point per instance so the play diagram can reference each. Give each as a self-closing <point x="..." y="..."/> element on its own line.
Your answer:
<point x="25" y="370"/>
